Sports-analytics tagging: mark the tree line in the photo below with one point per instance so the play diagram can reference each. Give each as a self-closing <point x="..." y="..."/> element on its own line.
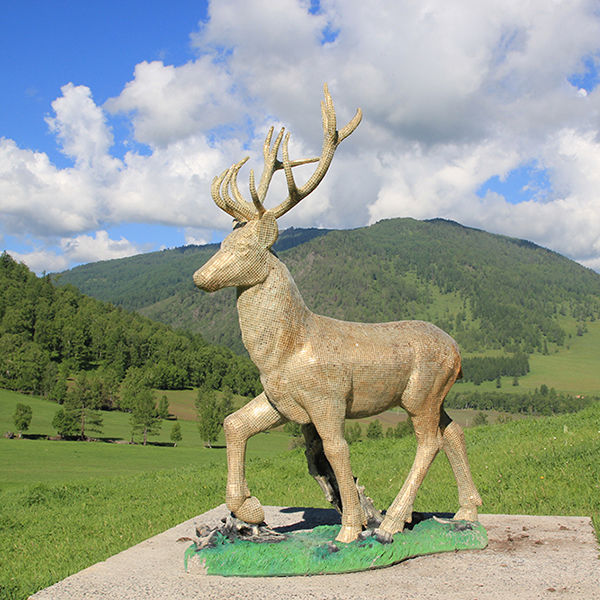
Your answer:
<point x="541" y="401"/>
<point x="55" y="339"/>
<point x="488" y="368"/>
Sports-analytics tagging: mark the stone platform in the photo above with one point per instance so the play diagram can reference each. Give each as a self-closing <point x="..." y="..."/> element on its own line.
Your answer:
<point x="528" y="557"/>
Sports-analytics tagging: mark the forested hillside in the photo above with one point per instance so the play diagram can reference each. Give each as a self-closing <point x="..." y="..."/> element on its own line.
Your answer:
<point x="143" y="280"/>
<point x="49" y="333"/>
<point x="490" y="292"/>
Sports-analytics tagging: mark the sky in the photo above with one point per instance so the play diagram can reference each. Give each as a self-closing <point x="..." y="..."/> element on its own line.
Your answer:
<point x="115" y="117"/>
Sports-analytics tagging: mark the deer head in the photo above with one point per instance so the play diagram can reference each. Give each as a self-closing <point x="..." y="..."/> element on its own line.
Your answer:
<point x="242" y="259"/>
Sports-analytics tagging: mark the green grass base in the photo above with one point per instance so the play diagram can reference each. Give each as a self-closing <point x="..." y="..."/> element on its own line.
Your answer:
<point x="309" y="552"/>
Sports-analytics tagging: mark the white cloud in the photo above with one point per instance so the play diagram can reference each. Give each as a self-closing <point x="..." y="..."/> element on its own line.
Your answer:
<point x="76" y="250"/>
<point x="169" y="103"/>
<point x="198" y="236"/>
<point x="81" y="128"/>
<point x="38" y="198"/>
<point x="40" y="261"/>
<point x="452" y="95"/>
<point x="85" y="248"/>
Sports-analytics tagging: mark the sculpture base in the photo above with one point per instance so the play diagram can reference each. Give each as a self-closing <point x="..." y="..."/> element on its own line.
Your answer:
<point x="315" y="552"/>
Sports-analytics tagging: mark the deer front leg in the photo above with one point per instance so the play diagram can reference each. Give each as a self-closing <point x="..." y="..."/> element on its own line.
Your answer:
<point x="338" y="454"/>
<point x="256" y="416"/>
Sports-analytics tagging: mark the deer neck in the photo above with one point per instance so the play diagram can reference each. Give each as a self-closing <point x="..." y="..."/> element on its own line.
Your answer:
<point x="273" y="317"/>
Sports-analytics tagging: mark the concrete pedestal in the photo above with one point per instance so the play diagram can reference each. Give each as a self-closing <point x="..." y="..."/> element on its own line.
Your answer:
<point x="528" y="557"/>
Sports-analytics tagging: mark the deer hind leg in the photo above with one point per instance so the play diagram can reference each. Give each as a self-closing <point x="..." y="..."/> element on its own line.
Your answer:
<point x="319" y="467"/>
<point x="429" y="443"/>
<point x="256" y="416"/>
<point x="453" y="440"/>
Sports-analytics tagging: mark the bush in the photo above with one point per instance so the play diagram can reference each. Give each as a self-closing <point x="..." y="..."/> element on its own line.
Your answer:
<point x="480" y="419"/>
<point x="353" y="433"/>
<point x="65" y="423"/>
<point x="375" y="430"/>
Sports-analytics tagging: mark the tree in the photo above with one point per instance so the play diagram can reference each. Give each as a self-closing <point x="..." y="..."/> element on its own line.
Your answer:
<point x="22" y="417"/>
<point x="58" y="393"/>
<point x="480" y="419"/>
<point x="227" y="401"/>
<point x="353" y="433"/>
<point x="65" y="423"/>
<point x="135" y="380"/>
<point x="82" y="403"/>
<point x="375" y="430"/>
<point x="211" y="413"/>
<point x="176" y="433"/>
<point x="144" y="416"/>
<point x="402" y="429"/>
<point x="163" y="408"/>
<point x="294" y="429"/>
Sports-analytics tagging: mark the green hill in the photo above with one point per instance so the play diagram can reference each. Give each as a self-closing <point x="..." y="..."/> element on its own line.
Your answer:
<point x="49" y="333"/>
<point x="492" y="293"/>
<point x="143" y="280"/>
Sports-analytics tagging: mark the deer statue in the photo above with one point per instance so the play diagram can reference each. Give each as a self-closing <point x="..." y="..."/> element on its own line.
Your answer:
<point x="318" y="371"/>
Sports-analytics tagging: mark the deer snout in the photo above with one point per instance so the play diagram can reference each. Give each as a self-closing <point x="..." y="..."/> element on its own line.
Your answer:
<point x="204" y="281"/>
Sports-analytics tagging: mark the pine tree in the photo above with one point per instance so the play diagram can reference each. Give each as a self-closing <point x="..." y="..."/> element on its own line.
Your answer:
<point x="163" y="408"/>
<point x="82" y="403"/>
<point x="65" y="422"/>
<point x="176" y="434"/>
<point x="144" y="416"/>
<point x="211" y="413"/>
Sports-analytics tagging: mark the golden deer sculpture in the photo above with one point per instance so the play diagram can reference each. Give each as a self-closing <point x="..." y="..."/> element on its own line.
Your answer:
<point x="319" y="371"/>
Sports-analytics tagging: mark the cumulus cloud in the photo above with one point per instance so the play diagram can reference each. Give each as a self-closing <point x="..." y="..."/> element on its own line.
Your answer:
<point x="453" y="95"/>
<point x="168" y="103"/>
<point x="76" y="250"/>
<point x="81" y="128"/>
<point x="197" y="236"/>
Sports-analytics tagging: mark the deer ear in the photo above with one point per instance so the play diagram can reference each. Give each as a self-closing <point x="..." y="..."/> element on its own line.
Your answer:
<point x="268" y="232"/>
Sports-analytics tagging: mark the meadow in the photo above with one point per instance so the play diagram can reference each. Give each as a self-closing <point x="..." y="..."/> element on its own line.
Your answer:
<point x="36" y="460"/>
<point x="573" y="368"/>
<point x="67" y="505"/>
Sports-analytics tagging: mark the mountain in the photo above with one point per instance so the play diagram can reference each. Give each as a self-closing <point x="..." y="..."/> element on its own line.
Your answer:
<point x="139" y="281"/>
<point x="490" y="292"/>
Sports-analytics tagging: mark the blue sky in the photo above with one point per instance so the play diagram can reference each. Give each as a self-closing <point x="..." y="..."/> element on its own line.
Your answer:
<point x="114" y="117"/>
<point x="47" y="44"/>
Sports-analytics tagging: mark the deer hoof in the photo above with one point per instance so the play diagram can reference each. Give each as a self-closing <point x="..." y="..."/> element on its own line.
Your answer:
<point x="250" y="511"/>
<point x="382" y="536"/>
<point x="348" y="533"/>
<point x="466" y="513"/>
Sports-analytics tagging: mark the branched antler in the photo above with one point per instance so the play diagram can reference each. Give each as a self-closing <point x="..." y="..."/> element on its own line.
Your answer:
<point x="242" y="210"/>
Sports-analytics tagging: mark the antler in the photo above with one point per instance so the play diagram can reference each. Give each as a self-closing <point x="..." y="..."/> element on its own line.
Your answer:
<point x="241" y="210"/>
<point x="332" y="138"/>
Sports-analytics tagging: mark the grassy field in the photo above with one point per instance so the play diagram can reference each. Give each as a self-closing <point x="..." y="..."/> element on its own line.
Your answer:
<point x="77" y="517"/>
<point x="574" y="368"/>
<point x="37" y="460"/>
